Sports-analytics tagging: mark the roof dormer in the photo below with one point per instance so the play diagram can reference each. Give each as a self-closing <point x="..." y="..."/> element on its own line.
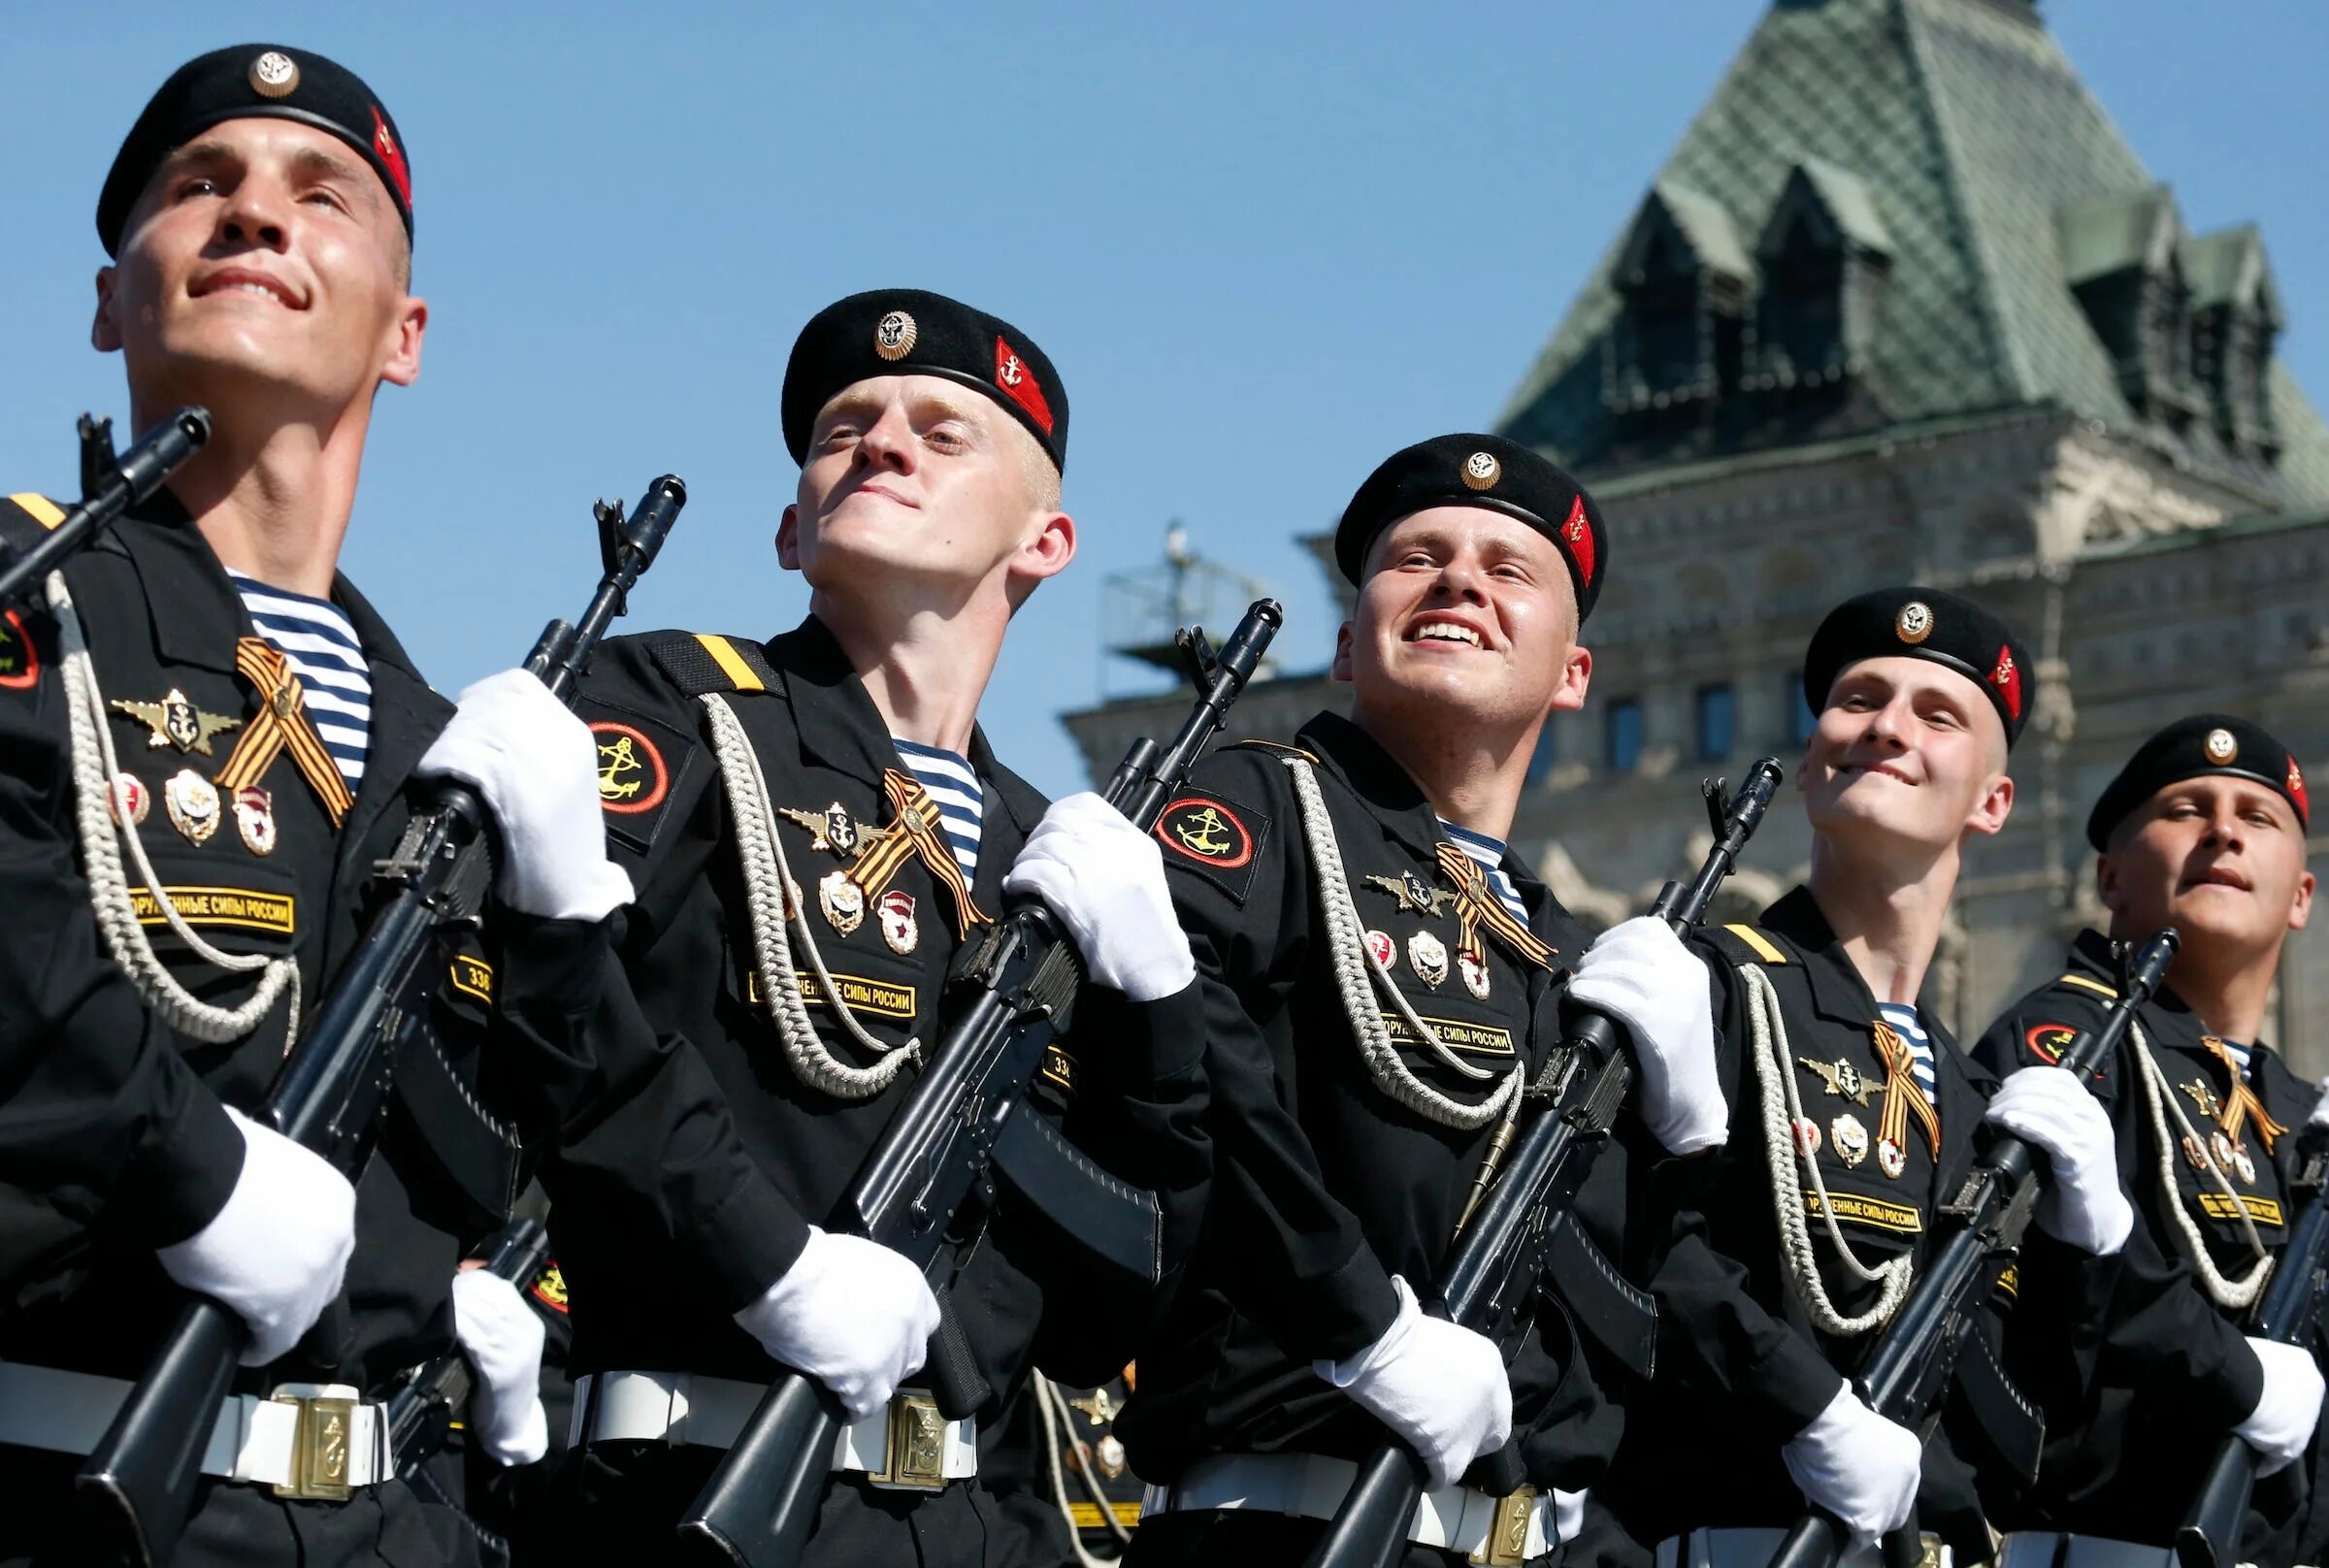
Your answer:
<point x="1825" y="257"/>
<point x="2122" y="256"/>
<point x="2235" y="321"/>
<point x="1684" y="283"/>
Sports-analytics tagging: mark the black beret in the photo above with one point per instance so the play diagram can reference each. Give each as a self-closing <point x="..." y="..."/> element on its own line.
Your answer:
<point x="1923" y="623"/>
<point x="1487" y="472"/>
<point x="253" y="81"/>
<point x="2191" y="748"/>
<point x="912" y="332"/>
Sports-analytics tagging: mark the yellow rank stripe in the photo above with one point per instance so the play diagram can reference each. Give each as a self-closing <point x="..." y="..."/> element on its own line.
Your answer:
<point x="1759" y="942"/>
<point x="2085" y="984"/>
<point x="2262" y="1210"/>
<point x="1855" y="1207"/>
<point x="1086" y="1515"/>
<point x="45" y="512"/>
<point x="731" y="663"/>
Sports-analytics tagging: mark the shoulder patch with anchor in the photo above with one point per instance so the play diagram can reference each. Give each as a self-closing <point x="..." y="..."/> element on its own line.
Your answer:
<point x="639" y="762"/>
<point x="1215" y="836"/>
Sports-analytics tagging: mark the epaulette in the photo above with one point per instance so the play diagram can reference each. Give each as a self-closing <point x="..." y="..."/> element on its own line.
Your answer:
<point x="1741" y="944"/>
<point x="1271" y="746"/>
<point x="706" y="663"/>
<point x="26" y="517"/>
<point x="2087" y="982"/>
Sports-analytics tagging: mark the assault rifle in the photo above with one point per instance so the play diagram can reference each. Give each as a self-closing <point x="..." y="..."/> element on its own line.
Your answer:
<point x="110" y="486"/>
<point x="965" y="1123"/>
<point x="421" y="1413"/>
<point x="1505" y="1238"/>
<point x="2209" y="1537"/>
<point x="1911" y="1366"/>
<point x="134" y="1491"/>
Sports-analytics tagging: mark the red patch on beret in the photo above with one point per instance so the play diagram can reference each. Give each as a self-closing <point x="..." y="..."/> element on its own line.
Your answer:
<point x="392" y="155"/>
<point x="1019" y="384"/>
<point x="1580" y="536"/>
<point x="2296" y="789"/>
<point x="2006" y="676"/>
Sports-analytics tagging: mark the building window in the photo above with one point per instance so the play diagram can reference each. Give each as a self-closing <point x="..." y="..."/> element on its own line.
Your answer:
<point x="1801" y="720"/>
<point x="1623" y="734"/>
<point x="1718" y="722"/>
<point x="1540" y="760"/>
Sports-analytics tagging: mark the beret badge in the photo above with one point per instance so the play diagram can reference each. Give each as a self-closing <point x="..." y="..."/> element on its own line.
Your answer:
<point x="894" y="335"/>
<point x="2221" y="747"/>
<point x="1914" y="622"/>
<point x="274" y="75"/>
<point x="1481" y="471"/>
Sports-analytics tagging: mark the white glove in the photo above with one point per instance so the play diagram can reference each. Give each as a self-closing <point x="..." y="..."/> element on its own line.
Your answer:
<point x="1440" y="1387"/>
<point x="2081" y="1204"/>
<point x="502" y="1338"/>
<point x="850" y="1313"/>
<point x="2281" y="1424"/>
<point x="2321" y="1108"/>
<point x="276" y="1254"/>
<point x="537" y="767"/>
<point x="1859" y="1466"/>
<point x="1104" y="878"/>
<point x="1639" y="973"/>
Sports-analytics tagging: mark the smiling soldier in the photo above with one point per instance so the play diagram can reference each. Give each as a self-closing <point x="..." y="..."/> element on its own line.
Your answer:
<point x="2203" y="829"/>
<point x="1381" y="977"/>
<point x="209" y="736"/>
<point x="1855" y="1117"/>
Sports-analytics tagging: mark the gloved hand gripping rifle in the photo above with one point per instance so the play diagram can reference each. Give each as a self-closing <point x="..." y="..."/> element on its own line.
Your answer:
<point x="965" y="1124"/>
<point x="134" y="1491"/>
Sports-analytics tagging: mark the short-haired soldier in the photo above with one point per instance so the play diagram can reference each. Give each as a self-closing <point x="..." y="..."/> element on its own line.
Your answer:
<point x="1855" y="1115"/>
<point x="2203" y="829"/>
<point x="209" y="736"/>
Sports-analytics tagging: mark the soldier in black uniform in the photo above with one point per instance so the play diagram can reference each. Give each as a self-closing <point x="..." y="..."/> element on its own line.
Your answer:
<point x="208" y="737"/>
<point x="1381" y="976"/>
<point x="2203" y="829"/>
<point x="816" y="825"/>
<point x="1855" y="1115"/>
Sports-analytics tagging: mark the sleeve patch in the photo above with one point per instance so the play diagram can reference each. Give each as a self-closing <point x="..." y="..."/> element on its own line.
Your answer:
<point x="638" y="760"/>
<point x="2048" y="1041"/>
<point x="473" y="976"/>
<point x="20" y="659"/>
<point x="1215" y="837"/>
<point x="549" y="1287"/>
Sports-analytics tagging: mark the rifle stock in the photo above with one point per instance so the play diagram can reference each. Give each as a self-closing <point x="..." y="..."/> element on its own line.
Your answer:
<point x="111" y="486"/>
<point x="1910" y="1367"/>
<point x="1488" y="1280"/>
<point x="938" y="1155"/>
<point x="137" y="1486"/>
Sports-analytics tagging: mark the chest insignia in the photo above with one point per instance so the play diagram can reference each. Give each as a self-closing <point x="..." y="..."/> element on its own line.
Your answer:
<point x="1415" y="895"/>
<point x="2234" y="1157"/>
<point x="832" y="831"/>
<point x="1842" y="1079"/>
<point x="2204" y="1096"/>
<point x="1890" y="1158"/>
<point x="175" y="722"/>
<point x="842" y="901"/>
<point x="897" y="915"/>
<point x="1473" y="967"/>
<point x="1427" y="956"/>
<point x="131" y="801"/>
<point x="1385" y="951"/>
<point x="1807" y="1137"/>
<point x="254" y="818"/>
<point x="193" y="801"/>
<point x="1849" y="1136"/>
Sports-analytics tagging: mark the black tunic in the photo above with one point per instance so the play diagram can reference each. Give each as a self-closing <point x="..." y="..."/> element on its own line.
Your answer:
<point x="2137" y="1401"/>
<point x="1323" y="1185"/>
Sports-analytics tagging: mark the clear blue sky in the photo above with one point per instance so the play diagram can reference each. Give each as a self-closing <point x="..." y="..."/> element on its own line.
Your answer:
<point x="1265" y="245"/>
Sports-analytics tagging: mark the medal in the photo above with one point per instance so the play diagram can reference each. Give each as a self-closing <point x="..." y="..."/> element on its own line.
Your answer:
<point x="1849" y="1137"/>
<point x="193" y="801"/>
<point x="254" y="819"/>
<point x="2244" y="1165"/>
<point x="1807" y="1137"/>
<point x="1384" y="950"/>
<point x="897" y="915"/>
<point x="1110" y="1455"/>
<point x="1427" y="955"/>
<point x="2193" y="1152"/>
<point x="131" y="800"/>
<point x="1473" y="967"/>
<point x="1890" y="1158"/>
<point x="842" y="901"/>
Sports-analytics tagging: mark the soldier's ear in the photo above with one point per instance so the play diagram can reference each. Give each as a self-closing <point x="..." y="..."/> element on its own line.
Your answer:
<point x="1342" y="653"/>
<point x="2301" y="910"/>
<point x="2106" y="882"/>
<point x="788" y="539"/>
<point x="104" y="333"/>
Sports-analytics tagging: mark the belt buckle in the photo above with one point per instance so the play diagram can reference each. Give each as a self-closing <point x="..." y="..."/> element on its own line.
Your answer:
<point x="916" y="1452"/>
<point x="322" y="1448"/>
<point x="1507" y="1543"/>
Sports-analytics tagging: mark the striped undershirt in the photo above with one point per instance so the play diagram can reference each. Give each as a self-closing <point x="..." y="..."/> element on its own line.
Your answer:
<point x="955" y="790"/>
<point x="1490" y="853"/>
<point x="2240" y="1055"/>
<point x="321" y="644"/>
<point x="1903" y="1019"/>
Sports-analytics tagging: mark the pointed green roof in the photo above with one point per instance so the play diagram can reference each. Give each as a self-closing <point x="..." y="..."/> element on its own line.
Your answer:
<point x="1957" y="134"/>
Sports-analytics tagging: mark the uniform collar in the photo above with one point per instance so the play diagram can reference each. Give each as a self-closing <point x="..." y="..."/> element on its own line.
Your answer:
<point x="2167" y="1016"/>
<point x="1838" y="989"/>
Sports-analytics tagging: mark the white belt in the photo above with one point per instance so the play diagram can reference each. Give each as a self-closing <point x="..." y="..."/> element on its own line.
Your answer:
<point x="314" y="1440"/>
<point x="1501" y="1530"/>
<point x="906" y="1446"/>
